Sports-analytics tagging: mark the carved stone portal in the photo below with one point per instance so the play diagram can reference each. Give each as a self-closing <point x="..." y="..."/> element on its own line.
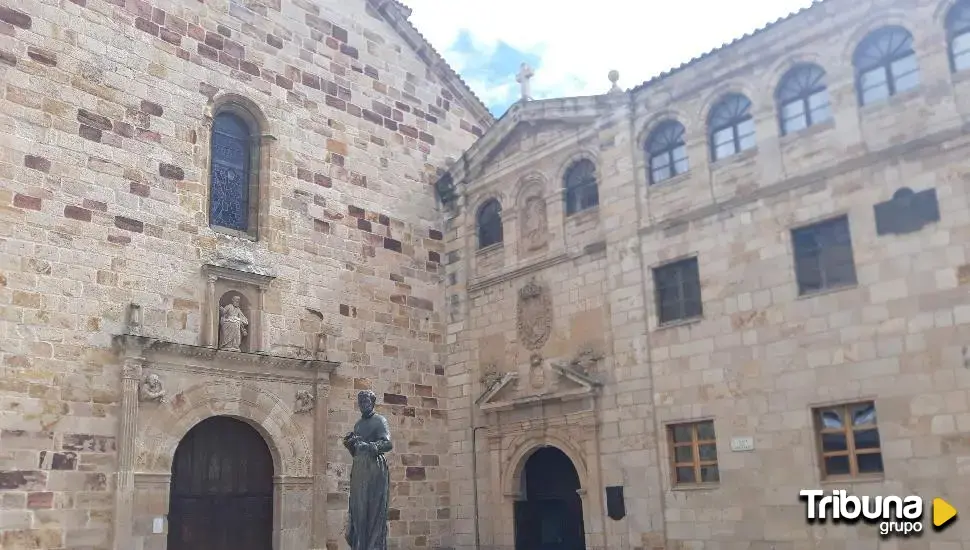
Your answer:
<point x="534" y="222"/>
<point x="534" y="318"/>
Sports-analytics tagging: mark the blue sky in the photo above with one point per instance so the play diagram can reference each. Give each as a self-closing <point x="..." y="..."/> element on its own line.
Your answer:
<point x="572" y="46"/>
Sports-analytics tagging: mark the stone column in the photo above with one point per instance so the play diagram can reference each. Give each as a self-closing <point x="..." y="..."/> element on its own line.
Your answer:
<point x="321" y="418"/>
<point x="212" y="314"/>
<point x="257" y="345"/>
<point x="131" y="375"/>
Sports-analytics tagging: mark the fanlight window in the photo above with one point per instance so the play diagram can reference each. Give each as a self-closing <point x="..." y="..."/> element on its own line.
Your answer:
<point x="580" y="186"/>
<point x="885" y="64"/>
<point x="958" y="36"/>
<point x="731" y="127"/>
<point x="667" y="151"/>
<point x="489" y="222"/>
<point x="231" y="176"/>
<point x="803" y="99"/>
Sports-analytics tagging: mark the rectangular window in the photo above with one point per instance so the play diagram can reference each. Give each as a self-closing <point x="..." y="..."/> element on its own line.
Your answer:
<point x="874" y="85"/>
<point x="693" y="449"/>
<point x="848" y="440"/>
<point x="678" y="288"/>
<point x="823" y="256"/>
<point x="905" y="73"/>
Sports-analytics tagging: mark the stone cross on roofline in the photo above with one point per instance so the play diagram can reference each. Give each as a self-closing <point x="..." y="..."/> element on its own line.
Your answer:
<point x="523" y="78"/>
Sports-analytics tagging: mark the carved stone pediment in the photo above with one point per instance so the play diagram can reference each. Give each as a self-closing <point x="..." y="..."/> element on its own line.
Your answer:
<point x="200" y="358"/>
<point x="581" y="385"/>
<point x="528" y="136"/>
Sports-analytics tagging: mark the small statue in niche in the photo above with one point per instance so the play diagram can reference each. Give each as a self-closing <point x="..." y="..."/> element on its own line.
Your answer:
<point x="151" y="389"/>
<point x="304" y="401"/>
<point x="233" y="323"/>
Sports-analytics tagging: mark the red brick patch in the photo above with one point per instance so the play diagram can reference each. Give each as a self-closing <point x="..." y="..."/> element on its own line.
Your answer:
<point x="37" y="163"/>
<point x="26" y="202"/>
<point x="77" y="213"/>
<point x="129" y="224"/>
<point x="41" y="56"/>
<point x="171" y="171"/>
<point x="40" y="500"/>
<point x="15" y="18"/>
<point x="8" y="58"/>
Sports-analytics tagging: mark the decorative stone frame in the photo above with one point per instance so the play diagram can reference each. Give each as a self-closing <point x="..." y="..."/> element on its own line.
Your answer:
<point x="259" y="161"/>
<point x="222" y="281"/>
<point x="220" y="383"/>
<point x="511" y="446"/>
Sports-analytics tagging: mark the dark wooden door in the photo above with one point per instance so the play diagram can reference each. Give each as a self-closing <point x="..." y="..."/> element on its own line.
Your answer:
<point x="222" y="489"/>
<point x="527" y="534"/>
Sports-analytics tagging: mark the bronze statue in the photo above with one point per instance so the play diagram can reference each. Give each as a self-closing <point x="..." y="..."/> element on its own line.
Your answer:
<point x="370" y="482"/>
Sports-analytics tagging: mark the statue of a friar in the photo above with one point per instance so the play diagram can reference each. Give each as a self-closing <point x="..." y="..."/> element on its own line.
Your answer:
<point x="370" y="482"/>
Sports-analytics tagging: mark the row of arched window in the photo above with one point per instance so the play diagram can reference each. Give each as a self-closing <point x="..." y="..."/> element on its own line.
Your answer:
<point x="885" y="65"/>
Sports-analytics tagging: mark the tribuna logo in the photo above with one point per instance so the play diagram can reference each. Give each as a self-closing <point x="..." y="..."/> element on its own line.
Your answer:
<point x="895" y="515"/>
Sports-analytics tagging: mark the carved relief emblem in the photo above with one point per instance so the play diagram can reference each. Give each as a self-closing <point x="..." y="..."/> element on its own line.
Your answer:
<point x="534" y="319"/>
<point x="534" y="223"/>
<point x="151" y="389"/>
<point x="537" y="371"/>
<point x="304" y="402"/>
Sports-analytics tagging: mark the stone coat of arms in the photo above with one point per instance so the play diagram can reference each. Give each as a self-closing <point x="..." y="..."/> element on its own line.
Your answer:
<point x="534" y="315"/>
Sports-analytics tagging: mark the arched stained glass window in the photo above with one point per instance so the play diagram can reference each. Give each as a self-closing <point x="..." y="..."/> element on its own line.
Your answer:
<point x="803" y="99"/>
<point x="731" y="126"/>
<point x="580" y="186"/>
<point x="667" y="151"/>
<point x="489" y="223"/>
<point x="230" y="177"/>
<point x="958" y="36"/>
<point x="885" y="64"/>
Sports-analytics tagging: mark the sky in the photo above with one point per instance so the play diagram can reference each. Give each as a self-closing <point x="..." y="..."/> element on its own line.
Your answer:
<point x="572" y="45"/>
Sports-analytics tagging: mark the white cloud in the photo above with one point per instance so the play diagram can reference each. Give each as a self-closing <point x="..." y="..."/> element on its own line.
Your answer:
<point x="579" y="43"/>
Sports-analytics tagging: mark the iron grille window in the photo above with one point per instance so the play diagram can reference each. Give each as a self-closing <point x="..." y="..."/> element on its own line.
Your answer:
<point x="823" y="256"/>
<point x="667" y="151"/>
<point x="731" y="126"/>
<point x="848" y="439"/>
<point x="958" y="36"/>
<point x="678" y="288"/>
<point x="489" y="222"/>
<point x="581" y="188"/>
<point x="885" y="64"/>
<point x="229" y="180"/>
<point x="803" y="99"/>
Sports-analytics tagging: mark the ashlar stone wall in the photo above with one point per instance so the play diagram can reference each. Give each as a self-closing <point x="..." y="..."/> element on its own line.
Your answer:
<point x="105" y="110"/>
<point x="760" y="357"/>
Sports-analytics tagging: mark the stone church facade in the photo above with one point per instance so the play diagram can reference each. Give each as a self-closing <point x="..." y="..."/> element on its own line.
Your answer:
<point x="640" y="320"/>
<point x="175" y="171"/>
<point x="743" y="278"/>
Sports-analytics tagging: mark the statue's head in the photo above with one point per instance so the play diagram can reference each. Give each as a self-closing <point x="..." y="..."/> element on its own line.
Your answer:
<point x="366" y="400"/>
<point x="236" y="299"/>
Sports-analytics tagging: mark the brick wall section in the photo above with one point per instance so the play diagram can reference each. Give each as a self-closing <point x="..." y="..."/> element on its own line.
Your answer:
<point x="103" y="151"/>
<point x="761" y="357"/>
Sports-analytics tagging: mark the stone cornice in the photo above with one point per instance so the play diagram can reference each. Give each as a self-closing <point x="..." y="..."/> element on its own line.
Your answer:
<point x="153" y="348"/>
<point x="229" y="272"/>
<point x="517" y="272"/>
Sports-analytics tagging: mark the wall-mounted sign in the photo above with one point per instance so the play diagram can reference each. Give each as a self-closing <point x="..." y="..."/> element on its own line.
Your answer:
<point x="742" y="444"/>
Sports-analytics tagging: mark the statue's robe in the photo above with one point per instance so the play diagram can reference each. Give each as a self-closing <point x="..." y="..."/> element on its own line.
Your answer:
<point x="370" y="487"/>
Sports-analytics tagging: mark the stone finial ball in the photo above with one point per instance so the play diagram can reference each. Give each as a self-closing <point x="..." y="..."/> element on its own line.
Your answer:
<point x="614" y="76"/>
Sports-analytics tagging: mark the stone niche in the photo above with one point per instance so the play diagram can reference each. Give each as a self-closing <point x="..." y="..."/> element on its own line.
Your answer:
<point x="224" y="285"/>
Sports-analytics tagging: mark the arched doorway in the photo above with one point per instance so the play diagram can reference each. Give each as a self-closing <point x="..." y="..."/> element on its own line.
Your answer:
<point x="551" y="515"/>
<point x="222" y="489"/>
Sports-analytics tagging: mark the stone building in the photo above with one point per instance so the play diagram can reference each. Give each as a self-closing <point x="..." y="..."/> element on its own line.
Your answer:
<point x="673" y="308"/>
<point x="174" y="171"/>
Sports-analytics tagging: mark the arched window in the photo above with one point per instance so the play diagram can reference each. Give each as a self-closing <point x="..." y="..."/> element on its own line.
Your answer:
<point x="580" y="185"/>
<point x="667" y="151"/>
<point x="232" y="182"/>
<point x="958" y="36"/>
<point x="731" y="126"/>
<point x="803" y="99"/>
<point x="885" y="64"/>
<point x="489" y="223"/>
